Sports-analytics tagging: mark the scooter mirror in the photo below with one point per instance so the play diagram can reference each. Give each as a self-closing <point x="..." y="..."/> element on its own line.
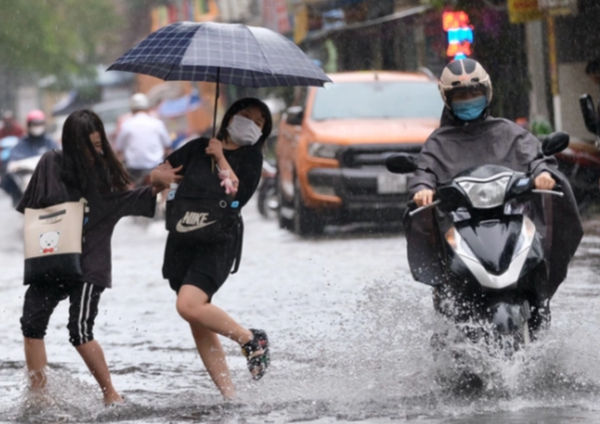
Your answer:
<point x="401" y="163"/>
<point x="590" y="117"/>
<point x="555" y="143"/>
<point x="295" y="115"/>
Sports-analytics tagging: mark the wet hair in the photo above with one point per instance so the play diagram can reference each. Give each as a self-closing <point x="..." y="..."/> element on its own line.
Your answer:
<point x="240" y="105"/>
<point x="106" y="174"/>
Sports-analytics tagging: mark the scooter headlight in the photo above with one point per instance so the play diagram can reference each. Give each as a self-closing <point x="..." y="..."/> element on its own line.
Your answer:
<point x="485" y="195"/>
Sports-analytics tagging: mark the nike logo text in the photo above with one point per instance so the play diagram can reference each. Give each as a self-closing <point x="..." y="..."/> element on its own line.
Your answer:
<point x="193" y="221"/>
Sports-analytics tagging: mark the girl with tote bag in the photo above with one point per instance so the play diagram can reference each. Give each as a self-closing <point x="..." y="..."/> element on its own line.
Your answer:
<point x="87" y="171"/>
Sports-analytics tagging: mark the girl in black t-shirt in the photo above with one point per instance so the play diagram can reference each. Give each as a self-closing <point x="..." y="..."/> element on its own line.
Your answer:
<point x="197" y="270"/>
<point x="86" y="168"/>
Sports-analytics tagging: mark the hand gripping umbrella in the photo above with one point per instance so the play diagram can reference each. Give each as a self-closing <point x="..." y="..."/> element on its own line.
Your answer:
<point x="222" y="53"/>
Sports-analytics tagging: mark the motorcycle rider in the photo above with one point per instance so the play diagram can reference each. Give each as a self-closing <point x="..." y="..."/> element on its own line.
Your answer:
<point x="34" y="143"/>
<point x="469" y="136"/>
<point x="10" y="126"/>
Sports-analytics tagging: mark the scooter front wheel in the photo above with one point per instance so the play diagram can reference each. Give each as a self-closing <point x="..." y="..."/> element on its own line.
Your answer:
<point x="510" y="322"/>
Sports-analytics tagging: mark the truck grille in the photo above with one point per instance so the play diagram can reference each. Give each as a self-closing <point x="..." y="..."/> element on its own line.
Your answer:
<point x="367" y="156"/>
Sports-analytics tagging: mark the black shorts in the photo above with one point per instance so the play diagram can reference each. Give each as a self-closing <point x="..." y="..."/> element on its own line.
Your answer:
<point x="199" y="280"/>
<point x="203" y="266"/>
<point x="41" y="299"/>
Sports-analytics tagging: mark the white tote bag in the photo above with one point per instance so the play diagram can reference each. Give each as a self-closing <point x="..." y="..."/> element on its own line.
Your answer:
<point x="53" y="238"/>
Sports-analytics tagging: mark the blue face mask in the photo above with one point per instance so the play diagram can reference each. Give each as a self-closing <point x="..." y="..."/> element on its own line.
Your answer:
<point x="471" y="109"/>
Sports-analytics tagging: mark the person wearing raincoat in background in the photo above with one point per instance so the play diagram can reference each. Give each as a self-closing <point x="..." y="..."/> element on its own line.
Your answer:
<point x="468" y="137"/>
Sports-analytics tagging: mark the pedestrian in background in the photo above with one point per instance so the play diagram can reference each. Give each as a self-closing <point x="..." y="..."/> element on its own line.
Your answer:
<point x="197" y="270"/>
<point x="143" y="141"/>
<point x="86" y="168"/>
<point x="10" y="126"/>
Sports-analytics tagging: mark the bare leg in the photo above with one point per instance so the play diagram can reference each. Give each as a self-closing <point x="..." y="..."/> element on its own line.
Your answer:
<point x="212" y="354"/>
<point x="193" y="306"/>
<point x="35" y="357"/>
<point x="93" y="356"/>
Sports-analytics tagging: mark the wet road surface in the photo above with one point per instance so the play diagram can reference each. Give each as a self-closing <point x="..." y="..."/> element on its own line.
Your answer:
<point x="349" y="330"/>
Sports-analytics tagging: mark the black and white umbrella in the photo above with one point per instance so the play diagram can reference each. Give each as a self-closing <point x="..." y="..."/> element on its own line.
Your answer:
<point x="222" y="53"/>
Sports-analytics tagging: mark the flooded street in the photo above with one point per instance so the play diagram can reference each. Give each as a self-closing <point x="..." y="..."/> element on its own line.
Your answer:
<point x="349" y="331"/>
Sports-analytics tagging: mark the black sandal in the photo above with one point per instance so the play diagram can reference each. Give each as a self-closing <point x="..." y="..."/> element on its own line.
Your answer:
<point x="260" y="361"/>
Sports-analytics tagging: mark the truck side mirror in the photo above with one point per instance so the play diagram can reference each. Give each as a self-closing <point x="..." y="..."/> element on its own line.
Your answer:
<point x="590" y="115"/>
<point x="295" y="115"/>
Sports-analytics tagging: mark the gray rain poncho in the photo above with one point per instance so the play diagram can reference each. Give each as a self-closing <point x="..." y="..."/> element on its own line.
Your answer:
<point x="456" y="147"/>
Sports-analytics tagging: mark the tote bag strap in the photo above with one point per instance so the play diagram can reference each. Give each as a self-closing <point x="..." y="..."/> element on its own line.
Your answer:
<point x="239" y="243"/>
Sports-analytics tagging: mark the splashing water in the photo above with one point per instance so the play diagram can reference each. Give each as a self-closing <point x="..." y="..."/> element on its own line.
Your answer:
<point x="348" y="344"/>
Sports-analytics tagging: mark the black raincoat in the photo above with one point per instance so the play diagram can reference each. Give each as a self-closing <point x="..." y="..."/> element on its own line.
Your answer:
<point x="457" y="146"/>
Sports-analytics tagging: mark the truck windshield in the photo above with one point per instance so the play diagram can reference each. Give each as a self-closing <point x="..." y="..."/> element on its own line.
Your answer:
<point x="378" y="100"/>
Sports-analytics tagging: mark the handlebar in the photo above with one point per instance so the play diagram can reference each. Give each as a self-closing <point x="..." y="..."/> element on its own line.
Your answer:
<point x="552" y="192"/>
<point x="437" y="202"/>
<point x="424" y="208"/>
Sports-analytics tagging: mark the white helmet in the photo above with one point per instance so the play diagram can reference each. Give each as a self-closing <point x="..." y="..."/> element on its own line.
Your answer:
<point x="464" y="74"/>
<point x="139" y="101"/>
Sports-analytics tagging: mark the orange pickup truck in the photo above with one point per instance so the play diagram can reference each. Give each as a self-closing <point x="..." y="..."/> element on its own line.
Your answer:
<point x="332" y="146"/>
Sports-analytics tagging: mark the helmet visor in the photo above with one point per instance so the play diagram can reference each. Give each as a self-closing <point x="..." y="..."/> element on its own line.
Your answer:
<point x="462" y="93"/>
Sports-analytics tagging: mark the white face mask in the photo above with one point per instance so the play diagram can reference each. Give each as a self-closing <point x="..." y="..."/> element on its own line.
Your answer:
<point x="37" y="130"/>
<point x="243" y="131"/>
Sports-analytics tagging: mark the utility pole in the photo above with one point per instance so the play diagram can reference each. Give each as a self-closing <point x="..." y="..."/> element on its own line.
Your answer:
<point x="554" y="72"/>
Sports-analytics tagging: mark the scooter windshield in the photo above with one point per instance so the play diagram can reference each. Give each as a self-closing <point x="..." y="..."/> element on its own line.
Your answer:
<point x="515" y="207"/>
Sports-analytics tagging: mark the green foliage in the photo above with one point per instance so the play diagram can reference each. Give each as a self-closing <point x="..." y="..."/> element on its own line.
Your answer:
<point x="438" y="4"/>
<point x="61" y="37"/>
<point x="541" y="126"/>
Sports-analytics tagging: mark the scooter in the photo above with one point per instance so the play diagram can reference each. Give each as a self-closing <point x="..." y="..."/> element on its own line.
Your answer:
<point x="18" y="175"/>
<point x="268" y="201"/>
<point x="6" y="145"/>
<point x="492" y="252"/>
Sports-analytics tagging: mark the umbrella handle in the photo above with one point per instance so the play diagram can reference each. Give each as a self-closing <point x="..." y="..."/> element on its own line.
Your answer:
<point x="217" y="93"/>
<point x="214" y="129"/>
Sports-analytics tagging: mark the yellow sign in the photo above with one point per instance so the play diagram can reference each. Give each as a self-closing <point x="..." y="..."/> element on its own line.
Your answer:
<point x="300" y="24"/>
<point x="521" y="11"/>
<point x="558" y="7"/>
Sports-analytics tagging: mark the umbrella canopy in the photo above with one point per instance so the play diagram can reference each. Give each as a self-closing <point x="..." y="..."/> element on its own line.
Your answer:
<point x="227" y="53"/>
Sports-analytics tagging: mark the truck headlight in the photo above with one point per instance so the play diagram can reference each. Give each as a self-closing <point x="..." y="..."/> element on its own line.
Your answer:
<point x="323" y="150"/>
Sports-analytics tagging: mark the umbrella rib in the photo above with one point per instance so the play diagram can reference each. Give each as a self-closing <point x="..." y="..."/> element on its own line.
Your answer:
<point x="261" y="53"/>
<point x="166" y="78"/>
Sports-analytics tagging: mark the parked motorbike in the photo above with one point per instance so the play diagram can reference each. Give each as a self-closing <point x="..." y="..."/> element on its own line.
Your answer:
<point x="492" y="253"/>
<point x="580" y="163"/>
<point x="268" y="201"/>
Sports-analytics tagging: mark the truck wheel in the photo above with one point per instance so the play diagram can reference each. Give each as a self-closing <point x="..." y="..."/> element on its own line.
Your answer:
<point x="306" y="222"/>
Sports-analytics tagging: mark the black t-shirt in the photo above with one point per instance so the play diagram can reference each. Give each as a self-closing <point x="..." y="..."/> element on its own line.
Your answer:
<point x="102" y="215"/>
<point x="214" y="260"/>
<point x="246" y="162"/>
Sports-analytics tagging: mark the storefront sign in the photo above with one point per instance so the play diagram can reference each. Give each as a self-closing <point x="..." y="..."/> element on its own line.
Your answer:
<point x="275" y="16"/>
<point x="558" y="7"/>
<point x="521" y="11"/>
<point x="460" y="34"/>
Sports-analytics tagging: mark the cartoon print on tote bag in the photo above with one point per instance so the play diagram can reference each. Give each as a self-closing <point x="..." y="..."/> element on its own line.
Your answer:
<point x="49" y="242"/>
